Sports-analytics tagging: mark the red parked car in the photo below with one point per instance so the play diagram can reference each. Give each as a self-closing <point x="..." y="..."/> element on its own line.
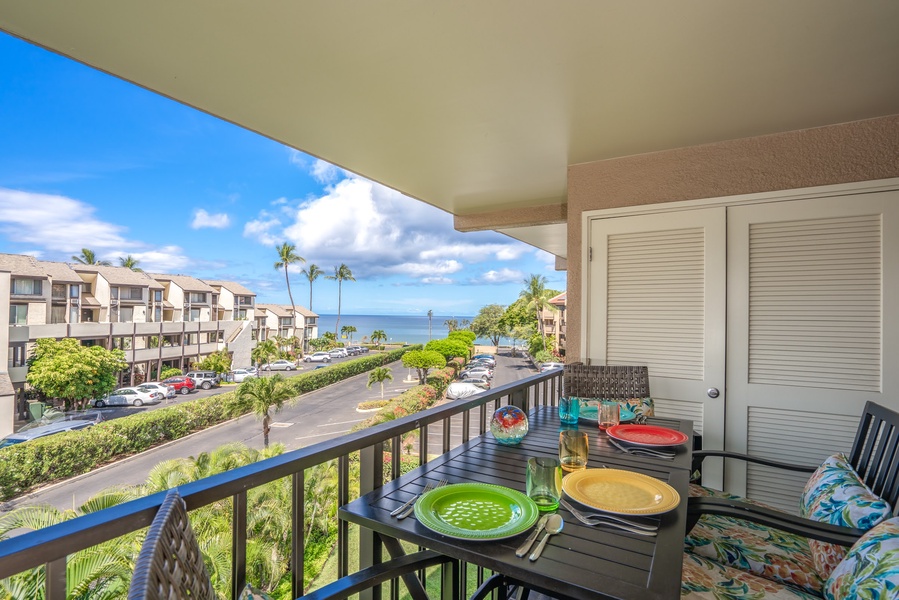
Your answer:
<point x="181" y="384"/>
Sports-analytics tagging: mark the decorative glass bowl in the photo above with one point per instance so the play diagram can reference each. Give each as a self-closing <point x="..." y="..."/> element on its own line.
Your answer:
<point x="509" y="425"/>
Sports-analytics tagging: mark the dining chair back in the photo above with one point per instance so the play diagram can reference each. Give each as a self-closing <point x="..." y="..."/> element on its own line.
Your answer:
<point x="875" y="452"/>
<point x="612" y="382"/>
<point x="170" y="564"/>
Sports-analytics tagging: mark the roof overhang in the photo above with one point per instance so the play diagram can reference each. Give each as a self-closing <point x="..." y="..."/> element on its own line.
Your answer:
<point x="479" y="107"/>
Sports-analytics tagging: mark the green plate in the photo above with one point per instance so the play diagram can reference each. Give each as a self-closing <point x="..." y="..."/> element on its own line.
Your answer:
<point x="476" y="511"/>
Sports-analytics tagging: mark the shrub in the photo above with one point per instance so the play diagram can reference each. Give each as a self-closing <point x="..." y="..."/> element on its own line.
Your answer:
<point x="463" y="334"/>
<point x="64" y="455"/>
<point x="170" y="372"/>
<point x="449" y="348"/>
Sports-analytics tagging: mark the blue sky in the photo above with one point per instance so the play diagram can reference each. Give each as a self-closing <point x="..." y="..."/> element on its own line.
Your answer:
<point x="87" y="160"/>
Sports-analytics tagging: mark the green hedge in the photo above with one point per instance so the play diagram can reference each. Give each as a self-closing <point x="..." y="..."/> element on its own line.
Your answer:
<point x="64" y="455"/>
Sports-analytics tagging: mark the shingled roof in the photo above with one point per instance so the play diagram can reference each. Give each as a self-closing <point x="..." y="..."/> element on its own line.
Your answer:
<point x="282" y="310"/>
<point x="232" y="286"/>
<point x="29" y="266"/>
<point x="119" y="275"/>
<point x="185" y="282"/>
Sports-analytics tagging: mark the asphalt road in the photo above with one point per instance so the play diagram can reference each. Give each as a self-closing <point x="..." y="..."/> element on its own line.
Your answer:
<point x="316" y="416"/>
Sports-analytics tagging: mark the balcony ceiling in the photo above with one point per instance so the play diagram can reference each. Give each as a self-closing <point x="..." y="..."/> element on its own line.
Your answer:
<point x="476" y="106"/>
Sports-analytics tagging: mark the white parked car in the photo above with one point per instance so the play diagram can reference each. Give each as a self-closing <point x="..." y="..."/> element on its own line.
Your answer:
<point x="129" y="396"/>
<point x="241" y="375"/>
<point x="338" y="353"/>
<point x="477" y="373"/>
<point x="318" y="357"/>
<point x="458" y="389"/>
<point x="168" y="391"/>
<point x="280" y="365"/>
<point x="550" y="365"/>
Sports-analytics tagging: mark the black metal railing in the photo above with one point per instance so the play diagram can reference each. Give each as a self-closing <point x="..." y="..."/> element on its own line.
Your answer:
<point x="50" y="546"/>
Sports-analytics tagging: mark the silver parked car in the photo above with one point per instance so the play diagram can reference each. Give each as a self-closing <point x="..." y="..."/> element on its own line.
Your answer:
<point x="241" y="375"/>
<point x="280" y="365"/>
<point x="129" y="396"/>
<point x="168" y="391"/>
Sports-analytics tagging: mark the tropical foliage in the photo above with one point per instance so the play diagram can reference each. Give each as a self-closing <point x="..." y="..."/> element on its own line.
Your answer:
<point x="170" y="372"/>
<point x="88" y="257"/>
<point x="129" y="262"/>
<point x="264" y="352"/>
<point x="65" y="369"/>
<point x="464" y="335"/>
<point x="287" y="255"/>
<point x="348" y="331"/>
<point x="449" y="348"/>
<point x="341" y="274"/>
<point x="219" y="361"/>
<point x="264" y="395"/>
<point x="379" y="375"/>
<point x="489" y="323"/>
<point x="423" y="361"/>
<point x="378" y="336"/>
<point x="537" y="296"/>
<point x="312" y="272"/>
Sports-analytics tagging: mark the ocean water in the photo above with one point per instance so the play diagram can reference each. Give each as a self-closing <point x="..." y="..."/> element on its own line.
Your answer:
<point x="399" y="329"/>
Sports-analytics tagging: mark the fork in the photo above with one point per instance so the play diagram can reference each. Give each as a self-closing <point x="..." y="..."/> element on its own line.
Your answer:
<point x="410" y="506"/>
<point x="409" y="502"/>
<point x="636" y="451"/>
<point x="586" y="517"/>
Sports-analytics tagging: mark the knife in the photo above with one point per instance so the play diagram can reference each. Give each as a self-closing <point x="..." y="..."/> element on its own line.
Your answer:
<point x="526" y="546"/>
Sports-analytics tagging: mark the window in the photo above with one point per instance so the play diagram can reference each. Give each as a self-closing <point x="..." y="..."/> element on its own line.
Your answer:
<point x="241" y="314"/>
<point x="132" y="293"/>
<point x="126" y="314"/>
<point x="157" y="295"/>
<point x="74" y="290"/>
<point x="245" y="300"/>
<point x="171" y="340"/>
<point x="57" y="314"/>
<point x="18" y="314"/>
<point x="16" y="356"/>
<point x="197" y="297"/>
<point x="73" y="314"/>
<point x="194" y="314"/>
<point x="157" y="314"/>
<point x="121" y="343"/>
<point x="58" y="290"/>
<point x="286" y="322"/>
<point x="114" y="293"/>
<point x="30" y="287"/>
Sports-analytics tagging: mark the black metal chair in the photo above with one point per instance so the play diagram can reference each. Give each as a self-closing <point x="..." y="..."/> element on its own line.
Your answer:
<point x="874" y="456"/>
<point x="612" y="382"/>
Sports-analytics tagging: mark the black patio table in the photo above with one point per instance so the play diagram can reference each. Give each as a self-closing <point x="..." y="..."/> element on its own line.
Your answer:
<point x="581" y="562"/>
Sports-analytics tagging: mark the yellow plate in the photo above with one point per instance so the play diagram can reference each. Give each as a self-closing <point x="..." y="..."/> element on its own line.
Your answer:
<point x="620" y="492"/>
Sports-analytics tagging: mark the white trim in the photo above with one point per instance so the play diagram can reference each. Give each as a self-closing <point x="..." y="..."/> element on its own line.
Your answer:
<point x="823" y="191"/>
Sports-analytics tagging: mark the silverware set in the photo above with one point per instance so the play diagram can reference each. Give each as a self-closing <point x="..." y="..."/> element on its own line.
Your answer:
<point x="607" y="520"/>
<point x="643" y="451"/>
<point x="409" y="506"/>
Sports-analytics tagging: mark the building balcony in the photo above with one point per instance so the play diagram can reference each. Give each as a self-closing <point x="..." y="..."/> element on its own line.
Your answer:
<point x="52" y="546"/>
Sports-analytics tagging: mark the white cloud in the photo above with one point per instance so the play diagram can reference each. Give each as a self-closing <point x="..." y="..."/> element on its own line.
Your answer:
<point x="204" y="219"/>
<point x="324" y="172"/>
<point x="477" y="252"/>
<point x="168" y="259"/>
<point x="443" y="267"/>
<point x="437" y="280"/>
<point x="261" y="228"/>
<point x="501" y="276"/>
<point x="56" y="223"/>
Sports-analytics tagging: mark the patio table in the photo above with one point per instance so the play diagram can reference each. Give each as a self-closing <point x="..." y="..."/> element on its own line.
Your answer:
<point x="580" y="563"/>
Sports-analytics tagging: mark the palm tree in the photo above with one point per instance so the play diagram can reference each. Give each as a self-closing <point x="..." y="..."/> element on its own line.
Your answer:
<point x="287" y="256"/>
<point x="451" y="324"/>
<point x="537" y="298"/>
<point x="377" y="336"/>
<point x="87" y="257"/>
<point x="379" y="375"/>
<point x="430" y="316"/>
<point x="264" y="351"/>
<point x="265" y="394"/>
<point x="129" y="262"/>
<point x="312" y="273"/>
<point x="341" y="274"/>
<point x="348" y="331"/>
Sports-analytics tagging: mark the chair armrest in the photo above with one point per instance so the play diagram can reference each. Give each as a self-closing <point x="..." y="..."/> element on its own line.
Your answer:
<point x="835" y="534"/>
<point x="376" y="575"/>
<point x="701" y="454"/>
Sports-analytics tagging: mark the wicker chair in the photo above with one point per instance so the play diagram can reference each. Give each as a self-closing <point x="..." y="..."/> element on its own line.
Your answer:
<point x="606" y="381"/>
<point x="170" y="564"/>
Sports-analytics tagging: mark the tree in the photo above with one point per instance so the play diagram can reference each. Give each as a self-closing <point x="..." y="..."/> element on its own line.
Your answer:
<point x="537" y="298"/>
<point x="430" y="316"/>
<point x="87" y="257"/>
<point x="379" y="375"/>
<point x="451" y="324"/>
<point x="341" y="274"/>
<point x="312" y="273"/>
<point x="287" y="256"/>
<point x="448" y="348"/>
<point x="463" y="335"/>
<point x="377" y="336"/>
<point x="348" y="330"/>
<point x="129" y="262"/>
<point x="220" y="362"/>
<point x="264" y="394"/>
<point x="66" y="369"/>
<point x="422" y="361"/>
<point x="488" y="323"/>
<point x="264" y="351"/>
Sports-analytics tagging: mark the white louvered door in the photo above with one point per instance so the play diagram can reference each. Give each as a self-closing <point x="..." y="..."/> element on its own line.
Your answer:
<point x="811" y="324"/>
<point x="657" y="298"/>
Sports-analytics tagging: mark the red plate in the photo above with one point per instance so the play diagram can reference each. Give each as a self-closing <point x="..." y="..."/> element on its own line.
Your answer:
<point x="647" y="435"/>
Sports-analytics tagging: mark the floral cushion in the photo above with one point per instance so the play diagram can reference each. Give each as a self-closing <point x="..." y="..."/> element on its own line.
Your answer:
<point x="251" y="593"/>
<point x="702" y="491"/>
<point x="871" y="567"/>
<point x="640" y="406"/>
<point x="705" y="579"/>
<point x="835" y="494"/>
<point x="763" y="551"/>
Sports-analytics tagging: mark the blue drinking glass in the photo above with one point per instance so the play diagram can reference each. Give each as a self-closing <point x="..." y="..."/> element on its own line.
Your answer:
<point x="569" y="410"/>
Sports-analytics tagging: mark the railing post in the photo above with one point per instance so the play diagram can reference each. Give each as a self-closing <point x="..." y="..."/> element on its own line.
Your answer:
<point x="55" y="583"/>
<point x="371" y="476"/>
<point x="519" y="398"/>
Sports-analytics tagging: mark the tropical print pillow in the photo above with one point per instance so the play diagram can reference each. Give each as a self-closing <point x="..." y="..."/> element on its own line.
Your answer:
<point x="835" y="494"/>
<point x="640" y="406"/>
<point x="871" y="567"/>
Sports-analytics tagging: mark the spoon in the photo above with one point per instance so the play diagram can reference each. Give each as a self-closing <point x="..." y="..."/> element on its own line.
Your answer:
<point x="554" y="524"/>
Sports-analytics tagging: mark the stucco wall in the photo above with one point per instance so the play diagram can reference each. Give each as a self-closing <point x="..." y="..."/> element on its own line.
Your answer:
<point x="845" y="153"/>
